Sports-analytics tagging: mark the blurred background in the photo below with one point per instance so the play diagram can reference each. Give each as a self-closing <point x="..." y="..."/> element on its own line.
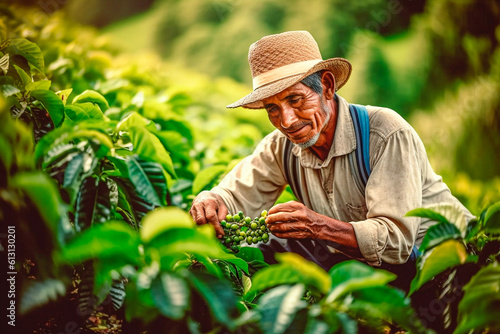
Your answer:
<point x="436" y="62"/>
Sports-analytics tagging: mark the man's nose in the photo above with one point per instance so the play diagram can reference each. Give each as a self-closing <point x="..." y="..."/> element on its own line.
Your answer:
<point x="288" y="117"/>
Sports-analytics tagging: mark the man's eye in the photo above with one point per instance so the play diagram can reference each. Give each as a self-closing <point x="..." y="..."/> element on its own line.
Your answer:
<point x="295" y="101"/>
<point x="272" y="110"/>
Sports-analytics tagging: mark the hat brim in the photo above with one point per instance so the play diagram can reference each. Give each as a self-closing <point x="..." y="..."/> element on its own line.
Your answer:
<point x="340" y="67"/>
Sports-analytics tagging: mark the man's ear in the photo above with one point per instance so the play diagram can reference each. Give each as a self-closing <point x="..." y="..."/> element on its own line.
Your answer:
<point x="328" y="82"/>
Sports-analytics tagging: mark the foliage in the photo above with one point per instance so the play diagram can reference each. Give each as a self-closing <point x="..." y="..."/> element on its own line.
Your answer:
<point x="129" y="140"/>
<point x="468" y="255"/>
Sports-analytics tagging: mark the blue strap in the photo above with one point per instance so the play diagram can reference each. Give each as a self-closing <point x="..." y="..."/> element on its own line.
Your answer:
<point x="361" y="123"/>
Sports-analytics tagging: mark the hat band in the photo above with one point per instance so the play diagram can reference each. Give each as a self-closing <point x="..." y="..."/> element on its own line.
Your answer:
<point x="283" y="72"/>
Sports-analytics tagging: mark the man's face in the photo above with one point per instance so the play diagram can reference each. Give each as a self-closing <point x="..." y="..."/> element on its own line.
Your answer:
<point x="299" y="113"/>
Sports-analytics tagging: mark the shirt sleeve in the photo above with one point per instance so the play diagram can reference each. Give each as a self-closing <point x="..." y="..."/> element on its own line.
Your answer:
<point x="393" y="188"/>
<point x="257" y="181"/>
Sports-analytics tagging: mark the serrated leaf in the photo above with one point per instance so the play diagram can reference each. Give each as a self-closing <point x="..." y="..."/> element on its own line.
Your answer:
<point x="206" y="178"/>
<point x="40" y="293"/>
<point x="439" y="233"/>
<point x="149" y="179"/>
<point x="171" y="295"/>
<point x="51" y="103"/>
<point x="446" y="255"/>
<point x="279" y="306"/>
<point x="92" y="97"/>
<point x="29" y="50"/>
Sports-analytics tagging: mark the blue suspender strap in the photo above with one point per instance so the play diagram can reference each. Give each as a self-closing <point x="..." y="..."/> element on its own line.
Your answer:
<point x="361" y="122"/>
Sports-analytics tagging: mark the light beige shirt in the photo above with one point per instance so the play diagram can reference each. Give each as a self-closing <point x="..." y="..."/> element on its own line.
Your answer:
<point x="401" y="179"/>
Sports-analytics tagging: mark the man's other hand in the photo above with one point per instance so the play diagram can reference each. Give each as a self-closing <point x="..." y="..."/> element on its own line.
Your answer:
<point x="209" y="208"/>
<point x="293" y="220"/>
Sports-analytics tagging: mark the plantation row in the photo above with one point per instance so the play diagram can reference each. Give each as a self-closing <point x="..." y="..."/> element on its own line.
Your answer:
<point x="99" y="166"/>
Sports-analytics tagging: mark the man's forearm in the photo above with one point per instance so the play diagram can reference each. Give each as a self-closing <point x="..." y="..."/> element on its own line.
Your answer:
<point x="340" y="233"/>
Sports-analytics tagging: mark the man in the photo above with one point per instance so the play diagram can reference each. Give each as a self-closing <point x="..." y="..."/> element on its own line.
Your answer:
<point x="338" y="216"/>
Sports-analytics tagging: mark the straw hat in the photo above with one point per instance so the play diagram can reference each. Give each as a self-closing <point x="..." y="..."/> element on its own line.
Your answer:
<point x="280" y="61"/>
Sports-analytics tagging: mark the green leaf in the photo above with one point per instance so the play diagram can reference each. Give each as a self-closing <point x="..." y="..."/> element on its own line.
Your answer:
<point x="206" y="178"/>
<point x="313" y="275"/>
<point x="77" y="112"/>
<point x="25" y="78"/>
<point x="149" y="180"/>
<point x="4" y="63"/>
<point x="443" y="212"/>
<point x="92" y="97"/>
<point x="446" y="255"/>
<point x="7" y="86"/>
<point x="27" y="49"/>
<point x="148" y="146"/>
<point x="352" y="275"/>
<point x="183" y="240"/>
<point x="427" y="213"/>
<point x="438" y="233"/>
<point x="38" y="85"/>
<point x="92" y="203"/>
<point x="115" y="239"/>
<point x="171" y="295"/>
<point x="163" y="219"/>
<point x="291" y="269"/>
<point x="64" y="94"/>
<point x="250" y="254"/>
<point x="135" y="119"/>
<point x="491" y="221"/>
<point x="239" y="263"/>
<point x="480" y="305"/>
<point x="40" y="293"/>
<point x="279" y="307"/>
<point x="45" y="195"/>
<point x="219" y="296"/>
<point x="51" y="103"/>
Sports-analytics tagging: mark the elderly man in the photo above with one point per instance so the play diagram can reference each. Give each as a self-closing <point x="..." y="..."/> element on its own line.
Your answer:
<point x="355" y="170"/>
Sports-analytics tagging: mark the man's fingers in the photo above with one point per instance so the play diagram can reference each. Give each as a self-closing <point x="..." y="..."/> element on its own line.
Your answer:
<point x="213" y="218"/>
<point x="198" y="215"/>
<point x="285" y="207"/>
<point x="222" y="212"/>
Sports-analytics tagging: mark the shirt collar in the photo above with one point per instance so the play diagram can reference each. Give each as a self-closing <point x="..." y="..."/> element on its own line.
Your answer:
<point x="344" y="141"/>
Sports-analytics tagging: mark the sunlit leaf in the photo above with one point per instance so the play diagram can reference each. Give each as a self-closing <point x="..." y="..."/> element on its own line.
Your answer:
<point x="92" y="97"/>
<point x="77" y="112"/>
<point x="446" y="255"/>
<point x="38" y="85"/>
<point x="164" y="219"/>
<point x="205" y="178"/>
<point x="28" y="50"/>
<point x="51" y="103"/>
<point x="439" y="233"/>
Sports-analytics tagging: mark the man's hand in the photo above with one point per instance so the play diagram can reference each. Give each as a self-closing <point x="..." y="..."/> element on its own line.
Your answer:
<point x="293" y="220"/>
<point x="209" y="208"/>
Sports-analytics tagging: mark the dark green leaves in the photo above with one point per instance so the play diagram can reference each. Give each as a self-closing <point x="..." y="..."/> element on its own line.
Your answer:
<point x="29" y="50"/>
<point x="52" y="103"/>
<point x="148" y="179"/>
<point x="439" y="233"/>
